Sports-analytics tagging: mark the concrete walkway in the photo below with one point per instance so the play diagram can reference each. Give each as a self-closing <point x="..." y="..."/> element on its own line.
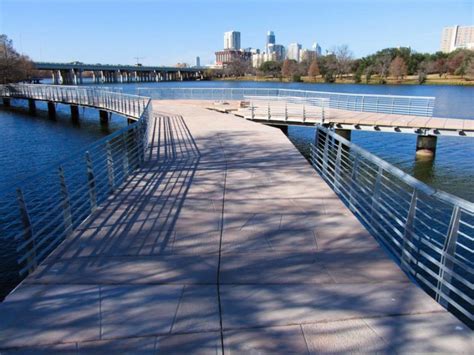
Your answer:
<point x="226" y="240"/>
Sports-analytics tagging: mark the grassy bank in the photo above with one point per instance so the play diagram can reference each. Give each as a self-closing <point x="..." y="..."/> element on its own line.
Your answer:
<point x="375" y="80"/>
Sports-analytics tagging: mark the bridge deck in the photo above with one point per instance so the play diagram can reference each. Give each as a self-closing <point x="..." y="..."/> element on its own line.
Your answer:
<point x="394" y="120"/>
<point x="368" y="119"/>
<point x="226" y="231"/>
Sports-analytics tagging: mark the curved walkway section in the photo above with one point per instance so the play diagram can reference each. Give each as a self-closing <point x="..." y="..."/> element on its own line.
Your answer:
<point x="225" y="240"/>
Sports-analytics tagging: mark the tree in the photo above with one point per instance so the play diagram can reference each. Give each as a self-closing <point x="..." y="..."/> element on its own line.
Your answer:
<point x="313" y="70"/>
<point x="383" y="65"/>
<point x="470" y="70"/>
<point x="14" y="67"/>
<point x="344" y="58"/>
<point x="398" y="68"/>
<point x="237" y="68"/>
<point x="271" y="67"/>
<point x="289" y="68"/>
<point x="369" y="71"/>
<point x="455" y="61"/>
<point x="440" y="67"/>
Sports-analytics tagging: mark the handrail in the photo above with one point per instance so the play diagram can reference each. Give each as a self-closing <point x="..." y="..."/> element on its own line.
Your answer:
<point x="391" y="104"/>
<point x="46" y="207"/>
<point x="124" y="104"/>
<point x="429" y="232"/>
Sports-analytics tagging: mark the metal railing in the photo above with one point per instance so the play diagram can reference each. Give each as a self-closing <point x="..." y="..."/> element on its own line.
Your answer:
<point x="287" y="109"/>
<point x="391" y="104"/>
<point x="47" y="207"/>
<point x="128" y="105"/>
<point x="429" y="232"/>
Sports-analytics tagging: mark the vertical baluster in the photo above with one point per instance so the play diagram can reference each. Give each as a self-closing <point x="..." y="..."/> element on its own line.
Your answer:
<point x="352" y="197"/>
<point x="447" y="257"/>
<point x="126" y="167"/>
<point x="405" y="255"/>
<point x="28" y="237"/>
<point x="65" y="202"/>
<point x="326" y="155"/>
<point x="337" y="174"/>
<point x="91" y="183"/>
<point x="110" y="167"/>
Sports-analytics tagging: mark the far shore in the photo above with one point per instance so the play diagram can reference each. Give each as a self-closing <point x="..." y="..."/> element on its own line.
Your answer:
<point x="408" y="80"/>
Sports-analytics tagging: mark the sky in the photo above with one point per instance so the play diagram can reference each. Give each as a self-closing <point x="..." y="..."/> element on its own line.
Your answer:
<point x="165" y="32"/>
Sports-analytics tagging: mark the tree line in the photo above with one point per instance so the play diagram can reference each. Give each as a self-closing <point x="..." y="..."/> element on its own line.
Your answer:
<point x="14" y="67"/>
<point x="394" y="63"/>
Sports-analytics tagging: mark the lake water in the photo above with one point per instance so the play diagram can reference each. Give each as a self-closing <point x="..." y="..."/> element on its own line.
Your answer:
<point x="28" y="143"/>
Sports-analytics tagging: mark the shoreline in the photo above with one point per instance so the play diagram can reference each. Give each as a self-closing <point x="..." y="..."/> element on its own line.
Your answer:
<point x="407" y="81"/>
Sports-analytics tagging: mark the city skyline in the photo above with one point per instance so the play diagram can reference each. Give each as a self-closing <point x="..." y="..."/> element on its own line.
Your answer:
<point x="110" y="34"/>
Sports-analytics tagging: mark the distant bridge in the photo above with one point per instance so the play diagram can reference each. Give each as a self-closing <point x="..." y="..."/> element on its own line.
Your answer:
<point x="72" y="73"/>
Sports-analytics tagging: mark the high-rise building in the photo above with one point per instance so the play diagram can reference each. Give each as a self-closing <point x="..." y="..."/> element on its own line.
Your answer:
<point x="317" y="48"/>
<point x="232" y="40"/>
<point x="294" y="51"/>
<point x="198" y="62"/>
<point x="278" y="50"/>
<point x="270" y="40"/>
<point x="307" y="55"/>
<point x="457" y="37"/>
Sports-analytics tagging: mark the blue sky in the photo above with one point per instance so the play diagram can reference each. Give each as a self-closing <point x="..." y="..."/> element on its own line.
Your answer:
<point x="171" y="31"/>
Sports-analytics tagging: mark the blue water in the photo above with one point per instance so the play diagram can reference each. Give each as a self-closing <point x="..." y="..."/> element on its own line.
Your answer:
<point x="28" y="143"/>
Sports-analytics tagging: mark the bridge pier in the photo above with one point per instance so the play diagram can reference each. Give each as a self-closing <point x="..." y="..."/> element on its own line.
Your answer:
<point x="6" y="102"/>
<point x="426" y="146"/>
<point x="75" y="113"/>
<point x="104" y="118"/>
<point x="51" y="110"/>
<point x="32" y="106"/>
<point x="344" y="133"/>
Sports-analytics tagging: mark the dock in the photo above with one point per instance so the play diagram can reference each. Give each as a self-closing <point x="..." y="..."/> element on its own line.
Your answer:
<point x="225" y="240"/>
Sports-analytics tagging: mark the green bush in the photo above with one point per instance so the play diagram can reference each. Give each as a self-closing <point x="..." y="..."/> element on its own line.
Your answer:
<point x="296" y="78"/>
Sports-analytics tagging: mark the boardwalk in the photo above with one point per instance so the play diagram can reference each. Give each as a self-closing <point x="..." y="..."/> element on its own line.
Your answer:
<point x="226" y="239"/>
<point x="297" y="113"/>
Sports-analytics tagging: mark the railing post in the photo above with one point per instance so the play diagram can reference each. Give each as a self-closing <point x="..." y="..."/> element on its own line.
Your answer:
<point x="322" y="111"/>
<point x="91" y="183"/>
<point x="31" y="262"/>
<point x="355" y="168"/>
<point x="304" y="113"/>
<point x="125" y="157"/>
<point x="337" y="172"/>
<point x="325" y="155"/>
<point x="407" y="235"/>
<point x="252" y="109"/>
<point x="65" y="202"/>
<point x="268" y="111"/>
<point x="286" y="111"/>
<point x="110" y="167"/>
<point x="447" y="257"/>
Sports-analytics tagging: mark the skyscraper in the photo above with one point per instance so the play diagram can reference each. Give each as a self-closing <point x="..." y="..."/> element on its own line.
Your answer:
<point x="294" y="51"/>
<point x="270" y="40"/>
<point x="317" y="48"/>
<point x="232" y="40"/>
<point x="457" y="37"/>
<point x="198" y="62"/>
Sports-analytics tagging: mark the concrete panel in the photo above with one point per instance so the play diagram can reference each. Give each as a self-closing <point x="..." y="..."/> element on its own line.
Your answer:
<point x="277" y="340"/>
<point x="128" y="311"/>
